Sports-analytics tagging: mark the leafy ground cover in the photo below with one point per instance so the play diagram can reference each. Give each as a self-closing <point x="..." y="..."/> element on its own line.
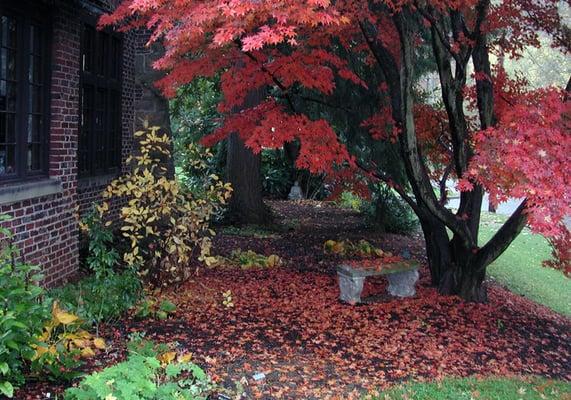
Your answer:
<point x="472" y="389"/>
<point x="520" y="269"/>
<point x="287" y="323"/>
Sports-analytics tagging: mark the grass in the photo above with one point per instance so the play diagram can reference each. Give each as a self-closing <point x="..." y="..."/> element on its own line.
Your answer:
<point x="520" y="269"/>
<point x="476" y="389"/>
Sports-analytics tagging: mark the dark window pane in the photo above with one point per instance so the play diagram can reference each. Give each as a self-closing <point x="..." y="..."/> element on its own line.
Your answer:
<point x="11" y="96"/>
<point x="7" y="64"/>
<point x="35" y="99"/>
<point x="102" y="55"/>
<point x="3" y="100"/>
<point x="34" y="157"/>
<point x="36" y="42"/>
<point x="35" y="72"/>
<point x="7" y="159"/>
<point x="9" y="31"/>
<point x="35" y="128"/>
<point x="99" y="147"/>
<point x="10" y="128"/>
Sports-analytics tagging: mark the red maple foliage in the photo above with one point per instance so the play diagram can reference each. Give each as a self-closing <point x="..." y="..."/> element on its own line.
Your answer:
<point x="531" y="163"/>
<point x="286" y="45"/>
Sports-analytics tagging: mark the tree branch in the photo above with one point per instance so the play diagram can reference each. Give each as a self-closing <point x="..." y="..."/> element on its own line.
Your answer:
<point x="503" y="237"/>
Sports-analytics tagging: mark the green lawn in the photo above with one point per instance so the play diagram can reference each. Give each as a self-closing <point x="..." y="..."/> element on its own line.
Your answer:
<point x="520" y="270"/>
<point x="474" y="389"/>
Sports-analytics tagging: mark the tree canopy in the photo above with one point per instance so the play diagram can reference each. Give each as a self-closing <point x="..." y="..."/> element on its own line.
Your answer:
<point x="489" y="131"/>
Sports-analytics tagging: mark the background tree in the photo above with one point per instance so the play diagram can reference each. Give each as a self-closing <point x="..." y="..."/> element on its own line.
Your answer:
<point x="286" y="45"/>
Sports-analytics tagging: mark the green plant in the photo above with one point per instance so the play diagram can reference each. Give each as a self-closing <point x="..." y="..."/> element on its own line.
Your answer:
<point x="146" y="375"/>
<point x="22" y="315"/>
<point x="390" y="213"/>
<point x="277" y="173"/>
<point x="247" y="260"/>
<point x="154" y="308"/>
<point x="62" y="345"/>
<point x="102" y="257"/>
<point x="165" y="224"/>
<point x="350" y="200"/>
<point x="100" y="300"/>
<point x="348" y="248"/>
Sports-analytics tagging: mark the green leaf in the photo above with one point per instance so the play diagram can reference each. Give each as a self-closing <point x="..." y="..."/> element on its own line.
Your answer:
<point x="167" y="306"/>
<point x="7" y="389"/>
<point x="4" y="368"/>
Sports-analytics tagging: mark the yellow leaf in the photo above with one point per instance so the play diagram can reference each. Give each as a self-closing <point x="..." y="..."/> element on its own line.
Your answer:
<point x="87" y="352"/>
<point x="61" y="316"/>
<point x="185" y="358"/>
<point x="99" y="343"/>
<point x="167" y="357"/>
<point x="80" y="343"/>
<point x="274" y="261"/>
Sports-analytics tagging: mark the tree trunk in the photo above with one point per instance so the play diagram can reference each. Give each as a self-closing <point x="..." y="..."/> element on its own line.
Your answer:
<point x="246" y="205"/>
<point x="437" y="249"/>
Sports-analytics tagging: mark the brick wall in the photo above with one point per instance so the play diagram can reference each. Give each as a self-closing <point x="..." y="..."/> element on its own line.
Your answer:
<point x="46" y="227"/>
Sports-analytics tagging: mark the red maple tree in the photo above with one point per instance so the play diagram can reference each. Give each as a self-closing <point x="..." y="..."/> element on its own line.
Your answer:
<point x="516" y="150"/>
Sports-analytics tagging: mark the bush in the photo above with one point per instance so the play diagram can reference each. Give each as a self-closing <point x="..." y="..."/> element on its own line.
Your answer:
<point x="390" y="213"/>
<point x="97" y="300"/>
<point x="22" y="315"/>
<point x="165" y="224"/>
<point x="146" y="375"/>
<point x="351" y="201"/>
<point x="277" y="174"/>
<point x="102" y="258"/>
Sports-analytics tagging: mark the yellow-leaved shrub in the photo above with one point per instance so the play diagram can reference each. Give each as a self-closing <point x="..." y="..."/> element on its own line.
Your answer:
<point x="166" y="223"/>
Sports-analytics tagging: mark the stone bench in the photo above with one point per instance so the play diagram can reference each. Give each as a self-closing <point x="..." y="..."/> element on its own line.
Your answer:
<point x="402" y="278"/>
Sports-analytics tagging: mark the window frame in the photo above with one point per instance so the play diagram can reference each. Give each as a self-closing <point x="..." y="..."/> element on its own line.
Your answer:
<point x="97" y="82"/>
<point x="27" y="15"/>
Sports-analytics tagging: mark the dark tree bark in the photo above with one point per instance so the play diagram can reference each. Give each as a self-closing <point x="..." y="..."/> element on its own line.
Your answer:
<point x="246" y="205"/>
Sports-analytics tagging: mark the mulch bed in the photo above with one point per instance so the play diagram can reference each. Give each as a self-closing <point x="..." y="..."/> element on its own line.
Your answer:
<point x="287" y="322"/>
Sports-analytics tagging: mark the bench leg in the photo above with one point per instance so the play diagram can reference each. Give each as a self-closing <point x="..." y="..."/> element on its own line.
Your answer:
<point x="350" y="288"/>
<point x="402" y="284"/>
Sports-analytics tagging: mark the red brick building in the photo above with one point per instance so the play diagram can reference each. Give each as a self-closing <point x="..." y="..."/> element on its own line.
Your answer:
<point x="68" y="95"/>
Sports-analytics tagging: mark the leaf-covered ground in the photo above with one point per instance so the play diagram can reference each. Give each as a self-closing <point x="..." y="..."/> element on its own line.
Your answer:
<point x="287" y="322"/>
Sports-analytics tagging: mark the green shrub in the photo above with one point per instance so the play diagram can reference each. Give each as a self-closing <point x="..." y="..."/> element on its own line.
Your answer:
<point x="277" y="174"/>
<point x="154" y="308"/>
<point x="102" y="258"/>
<point x="390" y="213"/>
<point x="350" y="200"/>
<point x="146" y="375"/>
<point x="100" y="300"/>
<point x="22" y="315"/>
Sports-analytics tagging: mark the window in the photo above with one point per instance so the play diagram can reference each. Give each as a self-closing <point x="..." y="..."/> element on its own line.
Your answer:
<point x="99" y="149"/>
<point x="24" y="111"/>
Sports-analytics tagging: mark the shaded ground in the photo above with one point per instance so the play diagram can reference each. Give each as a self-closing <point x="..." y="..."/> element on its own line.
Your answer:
<point x="288" y="323"/>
